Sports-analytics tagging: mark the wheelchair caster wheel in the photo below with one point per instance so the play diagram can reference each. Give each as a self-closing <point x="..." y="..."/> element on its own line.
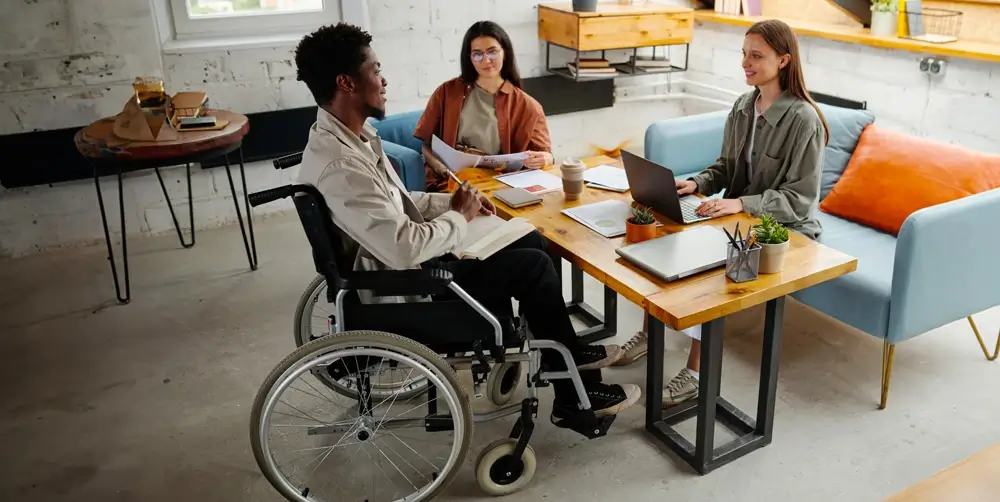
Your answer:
<point x="502" y="382"/>
<point x="498" y="473"/>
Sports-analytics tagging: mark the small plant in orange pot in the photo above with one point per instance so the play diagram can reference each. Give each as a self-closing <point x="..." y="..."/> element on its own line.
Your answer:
<point x="641" y="226"/>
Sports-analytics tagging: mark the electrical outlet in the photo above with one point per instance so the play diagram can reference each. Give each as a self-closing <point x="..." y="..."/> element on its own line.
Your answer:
<point x="933" y="66"/>
<point x="938" y="66"/>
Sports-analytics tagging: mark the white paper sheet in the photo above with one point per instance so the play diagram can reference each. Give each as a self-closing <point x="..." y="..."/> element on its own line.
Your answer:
<point x="606" y="217"/>
<point x="607" y="177"/>
<point x="534" y="181"/>
<point x="456" y="160"/>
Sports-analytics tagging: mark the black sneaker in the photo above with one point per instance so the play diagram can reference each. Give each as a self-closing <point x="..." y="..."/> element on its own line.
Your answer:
<point x="594" y="357"/>
<point x="604" y="400"/>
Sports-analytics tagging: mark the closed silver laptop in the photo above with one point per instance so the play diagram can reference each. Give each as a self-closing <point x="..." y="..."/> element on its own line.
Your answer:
<point x="679" y="255"/>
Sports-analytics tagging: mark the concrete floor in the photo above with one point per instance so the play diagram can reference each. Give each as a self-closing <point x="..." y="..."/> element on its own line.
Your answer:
<point x="150" y="401"/>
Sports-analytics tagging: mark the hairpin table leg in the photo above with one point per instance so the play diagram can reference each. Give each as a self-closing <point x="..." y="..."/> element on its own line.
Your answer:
<point x="107" y="235"/>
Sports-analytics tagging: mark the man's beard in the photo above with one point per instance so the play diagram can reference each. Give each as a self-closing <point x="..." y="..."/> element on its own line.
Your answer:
<point x="376" y="113"/>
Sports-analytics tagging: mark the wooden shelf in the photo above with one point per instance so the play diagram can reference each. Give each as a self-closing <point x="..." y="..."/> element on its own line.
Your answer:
<point x="615" y="26"/>
<point x="966" y="49"/>
<point x="624" y="70"/>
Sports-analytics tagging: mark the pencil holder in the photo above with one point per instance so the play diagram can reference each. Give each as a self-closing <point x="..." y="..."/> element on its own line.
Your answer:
<point x="742" y="265"/>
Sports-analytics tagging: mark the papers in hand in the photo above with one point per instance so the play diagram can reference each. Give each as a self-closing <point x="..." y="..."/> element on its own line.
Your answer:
<point x="606" y="217"/>
<point x="606" y="177"/>
<point x="534" y="181"/>
<point x="488" y="234"/>
<point x="455" y="160"/>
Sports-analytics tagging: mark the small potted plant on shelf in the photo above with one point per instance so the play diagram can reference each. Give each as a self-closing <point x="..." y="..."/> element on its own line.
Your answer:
<point x="773" y="239"/>
<point x="641" y="225"/>
<point x="884" y="18"/>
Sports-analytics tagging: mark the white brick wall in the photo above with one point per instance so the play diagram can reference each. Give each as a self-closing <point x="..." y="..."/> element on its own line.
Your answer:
<point x="108" y="42"/>
<point x="960" y="107"/>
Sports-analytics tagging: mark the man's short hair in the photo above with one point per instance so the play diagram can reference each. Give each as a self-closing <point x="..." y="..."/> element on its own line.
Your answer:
<point x="328" y="52"/>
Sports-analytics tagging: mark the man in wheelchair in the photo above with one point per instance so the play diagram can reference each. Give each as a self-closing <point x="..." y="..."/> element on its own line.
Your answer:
<point x="385" y="228"/>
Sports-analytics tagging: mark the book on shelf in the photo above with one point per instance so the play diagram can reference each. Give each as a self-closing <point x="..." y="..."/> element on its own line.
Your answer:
<point x="649" y="62"/>
<point x="590" y="72"/>
<point x="488" y="234"/>
<point x="594" y="63"/>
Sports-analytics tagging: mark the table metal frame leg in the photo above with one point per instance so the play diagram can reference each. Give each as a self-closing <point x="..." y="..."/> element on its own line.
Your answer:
<point x="251" y="245"/>
<point x="599" y="327"/>
<point x="170" y="206"/>
<point x="107" y="236"/>
<point x="704" y="456"/>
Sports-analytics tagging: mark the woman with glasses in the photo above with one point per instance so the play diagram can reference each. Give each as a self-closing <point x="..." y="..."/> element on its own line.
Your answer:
<point x="484" y="111"/>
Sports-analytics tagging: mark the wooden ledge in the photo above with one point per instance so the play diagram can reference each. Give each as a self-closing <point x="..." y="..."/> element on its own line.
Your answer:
<point x="966" y="49"/>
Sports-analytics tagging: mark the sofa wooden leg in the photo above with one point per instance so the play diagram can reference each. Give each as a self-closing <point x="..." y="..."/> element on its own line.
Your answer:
<point x="887" y="352"/>
<point x="982" y="344"/>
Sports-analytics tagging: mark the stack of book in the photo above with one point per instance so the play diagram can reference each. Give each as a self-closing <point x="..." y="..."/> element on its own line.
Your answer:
<point x="737" y="7"/>
<point x="649" y="65"/>
<point x="591" y="68"/>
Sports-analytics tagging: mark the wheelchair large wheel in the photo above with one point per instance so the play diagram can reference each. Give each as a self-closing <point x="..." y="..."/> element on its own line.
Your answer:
<point x="314" y="317"/>
<point x="369" y="448"/>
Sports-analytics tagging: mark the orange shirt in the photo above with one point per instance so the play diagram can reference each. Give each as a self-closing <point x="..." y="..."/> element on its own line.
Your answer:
<point x="520" y="118"/>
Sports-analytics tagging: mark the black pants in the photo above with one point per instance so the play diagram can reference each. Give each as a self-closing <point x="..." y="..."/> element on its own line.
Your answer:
<point x="525" y="271"/>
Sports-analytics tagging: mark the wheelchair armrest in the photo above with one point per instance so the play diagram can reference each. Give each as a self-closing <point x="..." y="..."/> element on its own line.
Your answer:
<point x="399" y="282"/>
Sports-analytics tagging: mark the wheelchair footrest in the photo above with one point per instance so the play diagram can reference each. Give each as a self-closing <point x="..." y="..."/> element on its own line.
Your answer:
<point x="585" y="423"/>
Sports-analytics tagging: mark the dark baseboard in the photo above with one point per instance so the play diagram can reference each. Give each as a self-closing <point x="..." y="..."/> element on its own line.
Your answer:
<point x="46" y="157"/>
<point x="559" y="95"/>
<point x="831" y="100"/>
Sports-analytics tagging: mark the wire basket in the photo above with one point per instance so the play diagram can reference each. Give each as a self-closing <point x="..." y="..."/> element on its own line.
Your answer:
<point x="936" y="26"/>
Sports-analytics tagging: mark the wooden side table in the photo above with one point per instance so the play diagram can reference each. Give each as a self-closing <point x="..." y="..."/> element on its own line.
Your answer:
<point x="614" y="27"/>
<point x="108" y="153"/>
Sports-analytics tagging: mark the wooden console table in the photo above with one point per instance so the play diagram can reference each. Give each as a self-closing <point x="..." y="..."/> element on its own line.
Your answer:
<point x="614" y="27"/>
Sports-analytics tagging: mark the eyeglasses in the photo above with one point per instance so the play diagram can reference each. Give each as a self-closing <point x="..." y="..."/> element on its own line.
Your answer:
<point x="493" y="54"/>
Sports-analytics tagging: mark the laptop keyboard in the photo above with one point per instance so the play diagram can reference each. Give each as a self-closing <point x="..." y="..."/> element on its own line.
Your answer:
<point x="688" y="211"/>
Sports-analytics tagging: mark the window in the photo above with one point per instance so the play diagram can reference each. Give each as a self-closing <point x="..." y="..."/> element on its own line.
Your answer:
<point x="219" y="18"/>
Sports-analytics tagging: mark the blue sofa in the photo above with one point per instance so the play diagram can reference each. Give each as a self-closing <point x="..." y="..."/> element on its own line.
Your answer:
<point x="402" y="148"/>
<point x="937" y="271"/>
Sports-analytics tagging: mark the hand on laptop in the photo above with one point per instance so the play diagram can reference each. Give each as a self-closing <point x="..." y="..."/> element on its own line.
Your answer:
<point x="720" y="207"/>
<point x="685" y="187"/>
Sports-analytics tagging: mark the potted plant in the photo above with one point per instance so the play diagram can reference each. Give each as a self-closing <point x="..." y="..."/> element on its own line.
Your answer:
<point x="773" y="239"/>
<point x="641" y="226"/>
<point x="884" y="18"/>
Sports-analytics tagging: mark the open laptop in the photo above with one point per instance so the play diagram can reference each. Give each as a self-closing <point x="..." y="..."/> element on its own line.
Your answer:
<point x="680" y="254"/>
<point x="653" y="186"/>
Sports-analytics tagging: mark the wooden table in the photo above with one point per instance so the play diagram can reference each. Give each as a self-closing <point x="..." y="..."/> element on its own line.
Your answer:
<point x="704" y="298"/>
<point x="108" y="153"/>
<point x="971" y="480"/>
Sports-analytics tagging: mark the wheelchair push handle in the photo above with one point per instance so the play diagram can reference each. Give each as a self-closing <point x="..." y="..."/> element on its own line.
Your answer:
<point x="288" y="161"/>
<point x="271" y="195"/>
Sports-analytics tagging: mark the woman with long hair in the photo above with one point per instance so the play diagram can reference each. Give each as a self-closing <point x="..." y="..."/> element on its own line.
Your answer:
<point x="484" y="111"/>
<point x="771" y="161"/>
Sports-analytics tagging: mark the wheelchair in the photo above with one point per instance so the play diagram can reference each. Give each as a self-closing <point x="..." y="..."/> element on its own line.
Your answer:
<point x="379" y="358"/>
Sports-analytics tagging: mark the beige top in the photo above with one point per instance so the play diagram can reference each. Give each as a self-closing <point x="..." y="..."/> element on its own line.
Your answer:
<point x="477" y="125"/>
<point x="382" y="225"/>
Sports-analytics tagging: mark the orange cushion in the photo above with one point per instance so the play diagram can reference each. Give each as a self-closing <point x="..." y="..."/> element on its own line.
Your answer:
<point x="892" y="174"/>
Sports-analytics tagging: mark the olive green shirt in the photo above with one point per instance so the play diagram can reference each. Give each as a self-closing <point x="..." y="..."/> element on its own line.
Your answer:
<point x="477" y="125"/>
<point x="787" y="160"/>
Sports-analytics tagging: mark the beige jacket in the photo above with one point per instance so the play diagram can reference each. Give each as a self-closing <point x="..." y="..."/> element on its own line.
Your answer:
<point x="384" y="227"/>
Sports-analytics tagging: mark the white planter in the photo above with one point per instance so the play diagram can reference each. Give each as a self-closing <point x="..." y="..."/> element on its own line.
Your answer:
<point x="884" y="24"/>
<point x="772" y="257"/>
